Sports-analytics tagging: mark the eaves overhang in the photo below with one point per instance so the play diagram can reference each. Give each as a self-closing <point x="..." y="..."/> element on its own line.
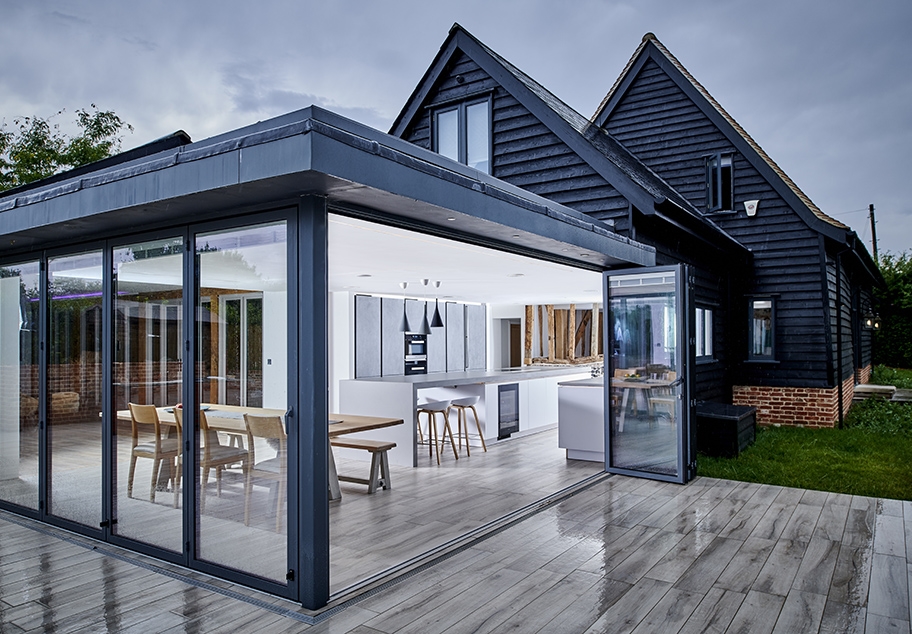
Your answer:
<point x="312" y="151"/>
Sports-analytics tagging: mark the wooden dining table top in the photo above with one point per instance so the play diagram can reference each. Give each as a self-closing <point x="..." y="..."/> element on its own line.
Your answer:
<point x="230" y="419"/>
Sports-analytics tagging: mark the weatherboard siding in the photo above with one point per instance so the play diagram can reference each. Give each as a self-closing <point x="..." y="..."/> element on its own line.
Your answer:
<point x="526" y="153"/>
<point x="659" y="124"/>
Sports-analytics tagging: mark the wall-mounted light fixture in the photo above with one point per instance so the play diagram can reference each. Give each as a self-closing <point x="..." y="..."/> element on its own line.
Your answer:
<point x="870" y="319"/>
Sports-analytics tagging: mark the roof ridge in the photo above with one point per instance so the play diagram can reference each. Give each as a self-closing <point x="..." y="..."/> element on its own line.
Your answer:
<point x="650" y="37"/>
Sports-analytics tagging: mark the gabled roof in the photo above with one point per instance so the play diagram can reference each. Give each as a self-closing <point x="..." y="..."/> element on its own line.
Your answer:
<point x="626" y="173"/>
<point x="651" y="48"/>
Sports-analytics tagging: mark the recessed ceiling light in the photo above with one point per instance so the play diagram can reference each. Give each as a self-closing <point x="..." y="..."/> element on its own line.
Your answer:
<point x="451" y="219"/>
<point x="584" y="255"/>
<point x="516" y="275"/>
<point x="515" y="235"/>
<point x="565" y="250"/>
<point x="365" y="275"/>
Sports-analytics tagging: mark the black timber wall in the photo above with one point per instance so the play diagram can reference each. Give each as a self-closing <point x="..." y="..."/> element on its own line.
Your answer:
<point x="659" y="123"/>
<point x="528" y="155"/>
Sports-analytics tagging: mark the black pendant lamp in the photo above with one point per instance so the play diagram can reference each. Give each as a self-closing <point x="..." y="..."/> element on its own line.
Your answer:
<point x="405" y="326"/>
<point x="436" y="321"/>
<point x="425" y="327"/>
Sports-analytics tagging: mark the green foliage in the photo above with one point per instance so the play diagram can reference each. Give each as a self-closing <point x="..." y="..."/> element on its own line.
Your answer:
<point x="877" y="415"/>
<point x="858" y="461"/>
<point x="36" y="148"/>
<point x="883" y="375"/>
<point x="893" y="342"/>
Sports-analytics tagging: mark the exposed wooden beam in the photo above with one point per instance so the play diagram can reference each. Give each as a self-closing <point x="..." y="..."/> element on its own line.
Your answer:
<point x="527" y="342"/>
<point x="571" y="333"/>
<point x="594" y="331"/>
<point x="541" y="333"/>
<point x="550" y="310"/>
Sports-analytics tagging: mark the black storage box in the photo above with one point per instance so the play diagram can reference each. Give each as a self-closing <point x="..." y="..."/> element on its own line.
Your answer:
<point x="724" y="430"/>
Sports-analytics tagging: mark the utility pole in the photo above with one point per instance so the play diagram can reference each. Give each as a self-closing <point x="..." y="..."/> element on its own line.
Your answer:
<point x="873" y="231"/>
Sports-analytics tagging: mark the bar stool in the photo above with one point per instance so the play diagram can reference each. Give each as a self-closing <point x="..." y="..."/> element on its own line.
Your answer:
<point x="461" y="405"/>
<point x="432" y="409"/>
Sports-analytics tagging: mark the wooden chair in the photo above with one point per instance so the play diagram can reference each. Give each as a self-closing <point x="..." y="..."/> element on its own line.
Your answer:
<point x="275" y="469"/>
<point x="214" y="455"/>
<point x="161" y="448"/>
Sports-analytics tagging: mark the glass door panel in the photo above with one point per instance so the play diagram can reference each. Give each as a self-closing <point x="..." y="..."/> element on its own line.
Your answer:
<point x="241" y="479"/>
<point x="74" y="387"/>
<point x="645" y="383"/>
<point x="19" y="286"/>
<point x="148" y="295"/>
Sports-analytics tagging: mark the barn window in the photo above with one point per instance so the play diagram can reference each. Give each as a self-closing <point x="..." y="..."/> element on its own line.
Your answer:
<point x="762" y="330"/>
<point x="719" y="182"/>
<point x="462" y="132"/>
<point x="704" y="331"/>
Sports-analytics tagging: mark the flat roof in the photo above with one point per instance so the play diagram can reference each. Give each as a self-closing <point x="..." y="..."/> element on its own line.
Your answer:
<point x="361" y="171"/>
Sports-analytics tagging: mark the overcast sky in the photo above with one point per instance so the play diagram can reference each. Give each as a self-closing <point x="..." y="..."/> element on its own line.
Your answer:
<point x="825" y="87"/>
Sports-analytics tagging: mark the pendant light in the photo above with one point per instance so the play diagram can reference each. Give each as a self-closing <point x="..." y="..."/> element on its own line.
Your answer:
<point x="425" y="327"/>
<point x="405" y="326"/>
<point x="436" y="321"/>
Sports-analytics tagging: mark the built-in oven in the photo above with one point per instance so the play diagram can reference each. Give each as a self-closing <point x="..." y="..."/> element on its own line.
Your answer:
<point x="415" y="345"/>
<point x="415" y="354"/>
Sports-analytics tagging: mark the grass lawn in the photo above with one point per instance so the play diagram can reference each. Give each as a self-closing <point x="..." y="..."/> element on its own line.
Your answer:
<point x="871" y="456"/>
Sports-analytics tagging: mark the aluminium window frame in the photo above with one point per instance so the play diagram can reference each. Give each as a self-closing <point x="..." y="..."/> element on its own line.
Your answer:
<point x="751" y="356"/>
<point x="718" y="184"/>
<point x="460" y="106"/>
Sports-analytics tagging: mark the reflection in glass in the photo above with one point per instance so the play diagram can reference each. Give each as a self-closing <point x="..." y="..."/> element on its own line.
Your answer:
<point x="74" y="386"/>
<point x="478" y="136"/>
<point x="242" y="481"/>
<point x="148" y="330"/>
<point x="448" y="134"/>
<point x="645" y="392"/>
<point x="762" y="329"/>
<point x="19" y="384"/>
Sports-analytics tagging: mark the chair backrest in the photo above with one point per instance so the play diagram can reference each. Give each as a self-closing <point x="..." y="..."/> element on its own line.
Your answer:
<point x="179" y="419"/>
<point x="144" y="415"/>
<point x="265" y="427"/>
<point x="268" y="427"/>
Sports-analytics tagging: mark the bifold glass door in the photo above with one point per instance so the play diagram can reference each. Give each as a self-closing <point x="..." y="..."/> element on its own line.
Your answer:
<point x="240" y="428"/>
<point x="146" y="377"/>
<point x="646" y="365"/>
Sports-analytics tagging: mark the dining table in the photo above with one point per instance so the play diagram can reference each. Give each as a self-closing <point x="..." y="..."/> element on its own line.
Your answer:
<point x="626" y="384"/>
<point x="229" y="419"/>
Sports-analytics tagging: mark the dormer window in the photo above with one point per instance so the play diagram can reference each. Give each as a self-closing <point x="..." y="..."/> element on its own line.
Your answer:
<point x="719" y="183"/>
<point x="462" y="132"/>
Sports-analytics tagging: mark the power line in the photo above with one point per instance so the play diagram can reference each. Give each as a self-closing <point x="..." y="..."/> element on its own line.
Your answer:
<point x="854" y="211"/>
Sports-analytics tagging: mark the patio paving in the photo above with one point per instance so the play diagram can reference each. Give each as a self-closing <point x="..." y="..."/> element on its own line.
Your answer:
<point x="624" y="555"/>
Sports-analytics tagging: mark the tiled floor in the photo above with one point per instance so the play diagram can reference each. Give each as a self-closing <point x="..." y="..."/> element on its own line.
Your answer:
<point x="625" y="555"/>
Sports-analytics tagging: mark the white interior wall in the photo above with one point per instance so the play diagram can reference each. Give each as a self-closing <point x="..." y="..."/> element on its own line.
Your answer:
<point x="341" y="343"/>
<point x="275" y="349"/>
<point x="9" y="378"/>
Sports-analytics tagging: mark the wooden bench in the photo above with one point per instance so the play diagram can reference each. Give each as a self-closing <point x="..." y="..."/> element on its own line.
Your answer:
<point x="379" y="469"/>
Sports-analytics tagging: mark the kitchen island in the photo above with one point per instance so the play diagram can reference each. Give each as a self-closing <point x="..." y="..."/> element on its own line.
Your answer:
<point x="399" y="396"/>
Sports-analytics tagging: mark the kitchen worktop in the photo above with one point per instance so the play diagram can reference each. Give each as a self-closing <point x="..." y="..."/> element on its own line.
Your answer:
<point x="469" y="377"/>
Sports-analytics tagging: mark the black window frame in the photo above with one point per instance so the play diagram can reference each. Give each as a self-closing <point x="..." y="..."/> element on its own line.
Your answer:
<point x="720" y="182"/>
<point x="462" y="127"/>
<point x="710" y="310"/>
<point x="751" y="355"/>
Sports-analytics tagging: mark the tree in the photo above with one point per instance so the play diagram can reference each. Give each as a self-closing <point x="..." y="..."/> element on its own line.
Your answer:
<point x="893" y="342"/>
<point x="36" y="148"/>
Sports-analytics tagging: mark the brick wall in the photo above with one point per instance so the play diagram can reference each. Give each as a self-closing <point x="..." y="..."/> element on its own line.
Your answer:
<point x="863" y="375"/>
<point x="811" y="407"/>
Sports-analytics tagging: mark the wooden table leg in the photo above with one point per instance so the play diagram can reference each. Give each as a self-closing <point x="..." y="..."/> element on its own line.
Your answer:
<point x="335" y="492"/>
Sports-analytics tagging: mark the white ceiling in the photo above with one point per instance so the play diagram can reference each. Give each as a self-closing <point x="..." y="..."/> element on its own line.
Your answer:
<point x="374" y="259"/>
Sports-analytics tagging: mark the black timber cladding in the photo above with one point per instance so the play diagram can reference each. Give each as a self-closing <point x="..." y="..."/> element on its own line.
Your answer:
<point x="663" y="127"/>
<point x="526" y="153"/>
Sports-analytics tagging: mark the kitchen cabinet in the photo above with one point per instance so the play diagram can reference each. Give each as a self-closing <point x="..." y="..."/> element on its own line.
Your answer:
<point x="367" y="336"/>
<point x="392" y="340"/>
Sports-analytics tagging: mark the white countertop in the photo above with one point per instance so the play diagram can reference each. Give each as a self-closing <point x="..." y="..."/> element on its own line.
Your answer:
<point x="469" y="377"/>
